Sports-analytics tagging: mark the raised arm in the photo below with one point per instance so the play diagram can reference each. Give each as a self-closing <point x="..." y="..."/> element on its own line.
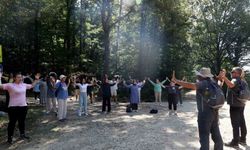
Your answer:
<point x="151" y="82"/>
<point x="141" y="84"/>
<point x="125" y="84"/>
<point x="164" y="81"/>
<point x="184" y="84"/>
<point x="187" y="85"/>
<point x="34" y="83"/>
<point x="224" y="79"/>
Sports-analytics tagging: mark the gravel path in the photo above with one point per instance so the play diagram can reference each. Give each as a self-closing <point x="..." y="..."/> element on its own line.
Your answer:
<point x="122" y="131"/>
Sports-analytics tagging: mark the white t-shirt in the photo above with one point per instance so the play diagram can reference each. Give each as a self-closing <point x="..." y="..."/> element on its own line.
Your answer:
<point x="114" y="87"/>
<point x="83" y="87"/>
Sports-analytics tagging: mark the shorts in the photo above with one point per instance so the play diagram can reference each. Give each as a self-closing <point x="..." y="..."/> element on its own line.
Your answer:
<point x="113" y="92"/>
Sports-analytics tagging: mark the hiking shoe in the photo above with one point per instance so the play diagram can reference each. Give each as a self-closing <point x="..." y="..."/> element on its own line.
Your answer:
<point x="23" y="136"/>
<point x="232" y="144"/>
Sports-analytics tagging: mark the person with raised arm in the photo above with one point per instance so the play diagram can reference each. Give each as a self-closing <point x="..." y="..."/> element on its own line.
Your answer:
<point x="62" y="96"/>
<point x="172" y="98"/>
<point x="114" y="89"/>
<point x="17" y="108"/>
<point x="83" y="99"/>
<point x="237" y="107"/>
<point x="208" y="118"/>
<point x="51" y="100"/>
<point x="140" y="84"/>
<point x="106" y="94"/>
<point x="134" y="94"/>
<point x="157" y="89"/>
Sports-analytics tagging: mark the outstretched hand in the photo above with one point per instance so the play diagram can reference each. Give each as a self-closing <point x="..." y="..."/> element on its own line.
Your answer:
<point x="222" y="75"/>
<point x="173" y="77"/>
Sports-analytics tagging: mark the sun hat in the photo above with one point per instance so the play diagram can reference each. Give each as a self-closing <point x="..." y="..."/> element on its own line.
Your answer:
<point x="204" y="72"/>
<point x="62" y="76"/>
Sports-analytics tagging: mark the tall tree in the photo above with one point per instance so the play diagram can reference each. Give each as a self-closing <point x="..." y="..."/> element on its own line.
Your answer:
<point x="218" y="36"/>
<point x="107" y="25"/>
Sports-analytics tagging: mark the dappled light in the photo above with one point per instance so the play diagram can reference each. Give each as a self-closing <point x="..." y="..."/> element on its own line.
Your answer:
<point x="124" y="74"/>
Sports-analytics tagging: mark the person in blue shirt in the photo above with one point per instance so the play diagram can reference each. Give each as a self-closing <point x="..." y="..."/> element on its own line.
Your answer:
<point x="62" y="96"/>
<point x="36" y="90"/>
<point x="134" y="94"/>
<point x="51" y="100"/>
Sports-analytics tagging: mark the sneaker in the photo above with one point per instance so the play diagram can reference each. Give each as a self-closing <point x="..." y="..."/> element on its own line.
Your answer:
<point x="23" y="136"/>
<point x="61" y="120"/>
<point x="232" y="144"/>
<point x="9" y="141"/>
<point x="86" y="114"/>
<point x="170" y="113"/>
<point x="243" y="142"/>
<point x="79" y="114"/>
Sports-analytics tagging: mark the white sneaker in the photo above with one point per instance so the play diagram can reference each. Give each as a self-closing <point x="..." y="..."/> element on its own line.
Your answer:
<point x="79" y="114"/>
<point x="170" y="112"/>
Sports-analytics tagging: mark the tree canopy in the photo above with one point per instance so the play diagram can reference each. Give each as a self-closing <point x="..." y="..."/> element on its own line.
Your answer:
<point x="129" y="37"/>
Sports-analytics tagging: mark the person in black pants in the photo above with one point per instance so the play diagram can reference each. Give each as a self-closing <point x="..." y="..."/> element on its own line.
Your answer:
<point x="208" y="117"/>
<point x="17" y="108"/>
<point x="106" y="95"/>
<point x="17" y="114"/>
<point x="172" y="98"/>
<point x="236" y="107"/>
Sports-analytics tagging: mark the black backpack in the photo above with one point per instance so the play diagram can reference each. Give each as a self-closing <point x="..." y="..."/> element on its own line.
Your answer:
<point x="213" y="95"/>
<point x="153" y="111"/>
<point x="243" y="94"/>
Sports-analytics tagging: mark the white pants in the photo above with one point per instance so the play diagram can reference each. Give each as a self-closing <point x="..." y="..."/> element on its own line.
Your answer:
<point x="62" y="109"/>
<point x="139" y="92"/>
<point x="51" y="104"/>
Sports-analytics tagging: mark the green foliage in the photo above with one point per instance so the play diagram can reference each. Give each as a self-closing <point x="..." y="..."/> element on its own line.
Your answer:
<point x="153" y="37"/>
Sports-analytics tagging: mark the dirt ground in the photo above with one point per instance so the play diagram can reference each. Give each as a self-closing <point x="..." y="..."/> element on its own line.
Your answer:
<point x="122" y="131"/>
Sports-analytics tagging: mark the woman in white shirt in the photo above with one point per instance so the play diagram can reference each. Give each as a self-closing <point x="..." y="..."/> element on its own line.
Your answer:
<point x="83" y="98"/>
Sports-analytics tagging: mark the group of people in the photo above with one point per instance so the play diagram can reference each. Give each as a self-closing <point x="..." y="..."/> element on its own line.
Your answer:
<point x="55" y="92"/>
<point x="208" y="118"/>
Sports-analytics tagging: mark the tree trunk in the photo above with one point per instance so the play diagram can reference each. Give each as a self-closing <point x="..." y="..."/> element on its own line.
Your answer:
<point x="141" y="69"/>
<point x="36" y="41"/>
<point x="118" y="37"/>
<point x="106" y="22"/>
<point x="67" y="35"/>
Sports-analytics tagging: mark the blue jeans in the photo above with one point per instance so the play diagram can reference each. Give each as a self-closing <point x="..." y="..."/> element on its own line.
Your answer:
<point x="83" y="102"/>
<point x="208" y="123"/>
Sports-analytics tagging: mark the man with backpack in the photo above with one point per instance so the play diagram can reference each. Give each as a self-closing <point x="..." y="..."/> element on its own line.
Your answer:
<point x="207" y="95"/>
<point x="237" y="105"/>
